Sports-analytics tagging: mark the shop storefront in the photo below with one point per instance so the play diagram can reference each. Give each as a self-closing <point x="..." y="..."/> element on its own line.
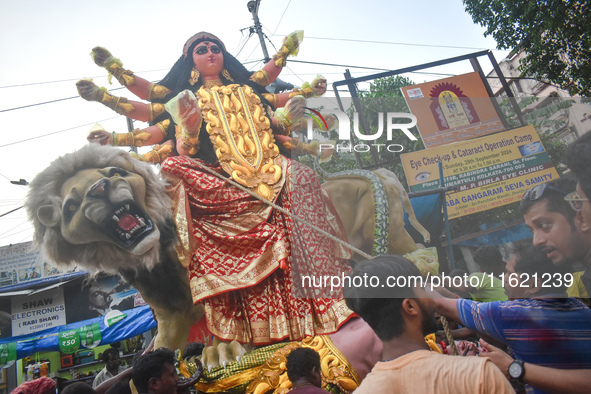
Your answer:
<point x="57" y="324"/>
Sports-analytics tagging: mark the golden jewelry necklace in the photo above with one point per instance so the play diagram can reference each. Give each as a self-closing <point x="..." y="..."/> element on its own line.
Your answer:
<point x="212" y="82"/>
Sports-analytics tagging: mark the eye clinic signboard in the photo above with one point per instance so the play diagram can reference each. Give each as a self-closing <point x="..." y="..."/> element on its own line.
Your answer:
<point x="452" y="109"/>
<point x="488" y="172"/>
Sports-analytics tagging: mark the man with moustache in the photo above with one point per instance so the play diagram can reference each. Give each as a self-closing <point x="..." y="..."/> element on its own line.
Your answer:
<point x="401" y="314"/>
<point x="557" y="229"/>
<point x="578" y="159"/>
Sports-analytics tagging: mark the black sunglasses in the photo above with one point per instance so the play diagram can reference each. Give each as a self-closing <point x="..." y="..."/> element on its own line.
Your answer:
<point x="536" y="192"/>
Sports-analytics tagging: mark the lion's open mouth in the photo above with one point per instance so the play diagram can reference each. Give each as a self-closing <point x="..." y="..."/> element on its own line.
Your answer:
<point x="129" y="224"/>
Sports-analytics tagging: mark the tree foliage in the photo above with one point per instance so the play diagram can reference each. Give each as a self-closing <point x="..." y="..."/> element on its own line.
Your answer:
<point x="555" y="35"/>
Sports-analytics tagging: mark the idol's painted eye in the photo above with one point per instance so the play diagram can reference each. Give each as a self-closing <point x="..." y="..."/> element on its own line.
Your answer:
<point x="422" y="176"/>
<point x="202" y="50"/>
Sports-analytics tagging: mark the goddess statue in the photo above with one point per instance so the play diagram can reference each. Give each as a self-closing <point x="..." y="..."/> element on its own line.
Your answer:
<point x="246" y="260"/>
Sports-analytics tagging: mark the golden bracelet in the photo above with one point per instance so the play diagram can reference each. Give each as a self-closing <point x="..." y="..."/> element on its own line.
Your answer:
<point x="155" y="110"/>
<point x="280" y="58"/>
<point x="261" y="77"/>
<point x="163" y="126"/>
<point x="156" y="91"/>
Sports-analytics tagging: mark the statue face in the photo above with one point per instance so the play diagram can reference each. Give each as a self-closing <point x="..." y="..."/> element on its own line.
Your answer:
<point x="208" y="59"/>
<point x="107" y="204"/>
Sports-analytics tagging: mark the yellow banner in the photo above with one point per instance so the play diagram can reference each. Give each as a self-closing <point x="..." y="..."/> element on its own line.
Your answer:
<point x="488" y="172"/>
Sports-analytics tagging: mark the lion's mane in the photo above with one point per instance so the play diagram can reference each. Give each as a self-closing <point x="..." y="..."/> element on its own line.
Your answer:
<point x="45" y="189"/>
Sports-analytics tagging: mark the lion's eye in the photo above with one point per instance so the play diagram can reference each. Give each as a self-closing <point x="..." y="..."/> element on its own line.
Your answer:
<point x="116" y="172"/>
<point x="69" y="209"/>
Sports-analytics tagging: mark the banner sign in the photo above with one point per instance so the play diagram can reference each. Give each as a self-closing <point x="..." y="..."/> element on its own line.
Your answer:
<point x="90" y="336"/>
<point x="38" y="312"/>
<point x="22" y="266"/>
<point x="69" y="341"/>
<point x="452" y="109"/>
<point x="7" y="354"/>
<point x="488" y="172"/>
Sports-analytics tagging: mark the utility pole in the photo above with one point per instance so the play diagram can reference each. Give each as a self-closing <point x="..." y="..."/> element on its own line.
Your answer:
<point x="253" y="8"/>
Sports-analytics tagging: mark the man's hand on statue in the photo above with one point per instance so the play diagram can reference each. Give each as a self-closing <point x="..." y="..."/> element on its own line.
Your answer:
<point x="102" y="137"/>
<point x="100" y="56"/>
<point x="497" y="356"/>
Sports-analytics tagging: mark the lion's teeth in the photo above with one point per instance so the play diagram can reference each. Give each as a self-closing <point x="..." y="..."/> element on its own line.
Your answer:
<point x="127" y="236"/>
<point x="142" y="222"/>
<point x="127" y="206"/>
<point x="115" y="218"/>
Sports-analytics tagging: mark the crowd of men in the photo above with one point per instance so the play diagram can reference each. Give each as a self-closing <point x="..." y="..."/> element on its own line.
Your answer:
<point x="544" y="324"/>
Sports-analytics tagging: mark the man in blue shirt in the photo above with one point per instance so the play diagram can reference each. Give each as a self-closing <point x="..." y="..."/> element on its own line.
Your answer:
<point x="539" y="324"/>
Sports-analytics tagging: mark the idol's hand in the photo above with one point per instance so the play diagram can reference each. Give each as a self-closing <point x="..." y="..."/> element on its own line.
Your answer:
<point x="100" y="56"/>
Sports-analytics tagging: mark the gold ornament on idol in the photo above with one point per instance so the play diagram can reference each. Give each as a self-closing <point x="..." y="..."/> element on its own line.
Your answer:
<point x="227" y="75"/>
<point x="194" y="77"/>
<point x="242" y="137"/>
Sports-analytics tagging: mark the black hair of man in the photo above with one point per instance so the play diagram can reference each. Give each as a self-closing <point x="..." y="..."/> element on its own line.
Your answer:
<point x="121" y="387"/>
<point x="532" y="261"/>
<point x="554" y="200"/>
<point x="578" y="160"/>
<point x="380" y="305"/>
<point x="150" y="365"/>
<point x="78" y="388"/>
<point x="112" y="351"/>
<point x="489" y="258"/>
<point x="301" y="362"/>
<point x="193" y="349"/>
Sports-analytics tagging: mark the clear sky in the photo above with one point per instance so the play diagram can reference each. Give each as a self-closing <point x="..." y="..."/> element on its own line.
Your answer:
<point x="45" y="49"/>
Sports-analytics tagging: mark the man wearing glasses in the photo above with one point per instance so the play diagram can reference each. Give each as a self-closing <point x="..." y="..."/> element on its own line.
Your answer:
<point x="557" y="229"/>
<point x="578" y="159"/>
<point x="555" y="226"/>
<point x="563" y="243"/>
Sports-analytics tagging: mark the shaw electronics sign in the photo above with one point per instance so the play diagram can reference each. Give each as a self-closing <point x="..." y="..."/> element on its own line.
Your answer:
<point x="38" y="312"/>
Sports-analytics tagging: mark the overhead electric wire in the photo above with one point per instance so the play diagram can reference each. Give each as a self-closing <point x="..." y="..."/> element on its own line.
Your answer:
<point x="280" y="19"/>
<point x="245" y="42"/>
<point x="366" y="68"/>
<point x="48" y="102"/>
<point x="389" y="43"/>
<point x="68" y="80"/>
<point x="18" y="232"/>
<point x="57" y="132"/>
